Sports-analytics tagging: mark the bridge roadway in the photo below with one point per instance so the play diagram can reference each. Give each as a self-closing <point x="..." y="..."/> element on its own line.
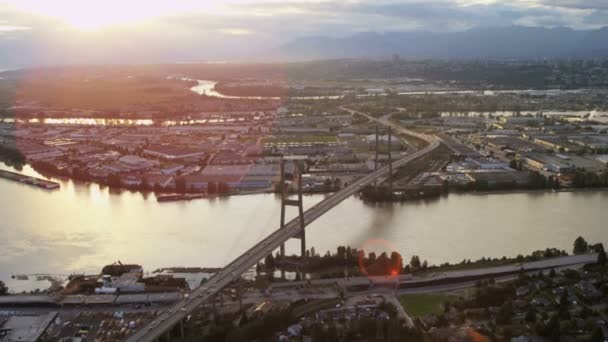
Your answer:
<point x="173" y="316"/>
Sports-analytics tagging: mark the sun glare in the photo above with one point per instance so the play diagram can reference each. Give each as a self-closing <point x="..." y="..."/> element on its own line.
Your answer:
<point x="95" y="15"/>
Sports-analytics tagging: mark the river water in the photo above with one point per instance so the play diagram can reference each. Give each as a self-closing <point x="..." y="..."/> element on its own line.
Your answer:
<point x="82" y="227"/>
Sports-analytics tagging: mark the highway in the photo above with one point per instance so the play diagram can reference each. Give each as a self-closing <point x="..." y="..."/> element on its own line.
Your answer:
<point x="173" y="316"/>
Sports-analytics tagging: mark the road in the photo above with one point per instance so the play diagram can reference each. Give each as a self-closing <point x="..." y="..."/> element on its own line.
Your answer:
<point x="531" y="266"/>
<point x="172" y="317"/>
<point x="326" y="289"/>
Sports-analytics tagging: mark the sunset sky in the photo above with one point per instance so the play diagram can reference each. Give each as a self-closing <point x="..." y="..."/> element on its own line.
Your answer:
<point x="35" y="31"/>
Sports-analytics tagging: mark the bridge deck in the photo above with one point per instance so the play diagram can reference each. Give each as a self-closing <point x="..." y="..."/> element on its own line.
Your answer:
<point x="170" y="318"/>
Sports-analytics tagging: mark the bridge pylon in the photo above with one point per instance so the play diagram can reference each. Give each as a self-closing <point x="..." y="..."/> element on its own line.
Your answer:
<point x="390" y="158"/>
<point x="299" y="203"/>
<point x="376" y="159"/>
<point x="390" y="163"/>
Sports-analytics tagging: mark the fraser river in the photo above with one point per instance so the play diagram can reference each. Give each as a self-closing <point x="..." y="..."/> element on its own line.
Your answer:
<point x="82" y="227"/>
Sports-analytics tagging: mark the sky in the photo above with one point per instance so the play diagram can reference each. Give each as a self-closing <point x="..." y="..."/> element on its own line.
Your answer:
<point x="75" y="31"/>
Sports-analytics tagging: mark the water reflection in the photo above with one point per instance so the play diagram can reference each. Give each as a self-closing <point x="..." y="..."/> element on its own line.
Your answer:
<point x="128" y="122"/>
<point x="84" y="226"/>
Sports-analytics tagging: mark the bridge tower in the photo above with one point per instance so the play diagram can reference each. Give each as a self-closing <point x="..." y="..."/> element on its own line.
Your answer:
<point x="390" y="163"/>
<point x="285" y="201"/>
<point x="376" y="160"/>
<point x="390" y="158"/>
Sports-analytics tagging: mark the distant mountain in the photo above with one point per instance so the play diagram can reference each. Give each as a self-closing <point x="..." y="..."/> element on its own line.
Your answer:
<point x="505" y="42"/>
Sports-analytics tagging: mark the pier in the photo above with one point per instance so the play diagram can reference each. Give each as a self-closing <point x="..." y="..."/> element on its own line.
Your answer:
<point x="33" y="181"/>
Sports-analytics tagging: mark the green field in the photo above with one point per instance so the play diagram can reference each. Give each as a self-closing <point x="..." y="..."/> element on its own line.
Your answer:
<point x="425" y="303"/>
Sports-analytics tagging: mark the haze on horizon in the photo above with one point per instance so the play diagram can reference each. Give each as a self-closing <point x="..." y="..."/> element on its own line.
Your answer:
<point x="42" y="32"/>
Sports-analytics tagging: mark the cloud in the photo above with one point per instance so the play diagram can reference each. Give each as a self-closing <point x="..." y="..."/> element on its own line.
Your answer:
<point x="11" y="28"/>
<point x="193" y="29"/>
<point x="235" y="31"/>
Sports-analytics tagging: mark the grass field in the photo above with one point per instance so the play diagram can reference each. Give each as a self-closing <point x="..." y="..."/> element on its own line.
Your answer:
<point x="425" y="303"/>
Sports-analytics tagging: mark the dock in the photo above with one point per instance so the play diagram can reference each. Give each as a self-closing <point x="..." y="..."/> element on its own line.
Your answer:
<point x="33" y="181"/>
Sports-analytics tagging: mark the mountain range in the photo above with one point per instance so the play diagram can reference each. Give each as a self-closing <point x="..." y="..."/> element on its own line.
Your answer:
<point x="504" y="42"/>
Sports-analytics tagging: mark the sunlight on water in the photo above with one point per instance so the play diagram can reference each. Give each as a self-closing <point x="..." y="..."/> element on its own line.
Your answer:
<point x="84" y="226"/>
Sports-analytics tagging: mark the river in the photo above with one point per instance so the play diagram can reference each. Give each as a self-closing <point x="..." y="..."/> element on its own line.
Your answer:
<point x="82" y="227"/>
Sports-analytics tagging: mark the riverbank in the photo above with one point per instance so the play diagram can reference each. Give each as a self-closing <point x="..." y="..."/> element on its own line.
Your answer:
<point x="532" y="191"/>
<point x="190" y="196"/>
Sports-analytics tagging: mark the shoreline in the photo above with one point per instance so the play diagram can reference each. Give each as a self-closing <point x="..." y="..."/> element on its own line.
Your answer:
<point x="531" y="191"/>
<point x="62" y="178"/>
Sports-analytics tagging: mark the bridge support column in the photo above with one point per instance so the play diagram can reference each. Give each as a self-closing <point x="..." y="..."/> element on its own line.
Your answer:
<point x="390" y="163"/>
<point x="181" y="329"/>
<point x="376" y="159"/>
<point x="285" y="201"/>
<point x="301" y="215"/>
<point x="284" y="194"/>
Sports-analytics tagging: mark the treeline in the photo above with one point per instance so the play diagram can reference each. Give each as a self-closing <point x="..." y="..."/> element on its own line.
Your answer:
<point x="236" y="327"/>
<point x="382" y="193"/>
<point x="212" y="187"/>
<point x="11" y="156"/>
<point x="116" y="181"/>
<point x="587" y="179"/>
<point x="536" y="181"/>
<point x="360" y="263"/>
<point x="365" y="329"/>
<point x="344" y="257"/>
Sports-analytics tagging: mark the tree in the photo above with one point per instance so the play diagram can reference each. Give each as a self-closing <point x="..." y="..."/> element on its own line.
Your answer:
<point x="505" y="313"/>
<point x="551" y="329"/>
<point x="114" y="180"/>
<point x="531" y="316"/>
<point x="415" y="263"/>
<point x="580" y="246"/>
<point x="269" y="262"/>
<point x="601" y="257"/>
<point x="258" y="268"/>
<point x="396" y="262"/>
<point x="3" y="289"/>
<point x="180" y="184"/>
<point x="327" y="184"/>
<point x="337" y="183"/>
<point x="223" y="187"/>
<point x="598" y="335"/>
